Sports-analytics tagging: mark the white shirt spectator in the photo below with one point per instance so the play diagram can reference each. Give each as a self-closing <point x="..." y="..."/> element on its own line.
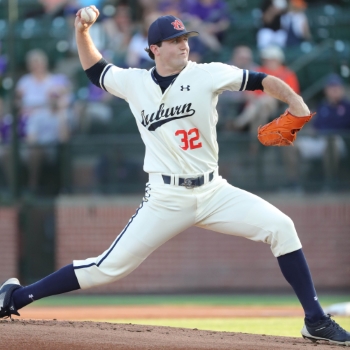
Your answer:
<point x="136" y="51"/>
<point x="44" y="127"/>
<point x="35" y="92"/>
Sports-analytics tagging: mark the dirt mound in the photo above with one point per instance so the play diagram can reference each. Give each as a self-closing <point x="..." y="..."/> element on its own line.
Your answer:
<point x="44" y="334"/>
<point x="83" y="313"/>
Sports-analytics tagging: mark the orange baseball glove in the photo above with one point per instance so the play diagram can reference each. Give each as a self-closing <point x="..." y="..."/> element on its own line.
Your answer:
<point x="282" y="131"/>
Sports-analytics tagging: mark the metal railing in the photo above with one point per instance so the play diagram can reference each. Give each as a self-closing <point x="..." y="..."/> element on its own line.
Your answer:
<point x="113" y="165"/>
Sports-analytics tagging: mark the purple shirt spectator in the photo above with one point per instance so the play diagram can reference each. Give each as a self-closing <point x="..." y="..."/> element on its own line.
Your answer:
<point x="333" y="117"/>
<point x="3" y="64"/>
<point x="6" y="125"/>
<point x="209" y="12"/>
<point x="95" y="93"/>
<point x="333" y="114"/>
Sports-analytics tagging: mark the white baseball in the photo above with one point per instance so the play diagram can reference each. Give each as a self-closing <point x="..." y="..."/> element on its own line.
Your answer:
<point x="88" y="14"/>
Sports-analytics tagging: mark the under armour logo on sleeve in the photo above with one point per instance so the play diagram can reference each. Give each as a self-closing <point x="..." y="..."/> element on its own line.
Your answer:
<point x="186" y="87"/>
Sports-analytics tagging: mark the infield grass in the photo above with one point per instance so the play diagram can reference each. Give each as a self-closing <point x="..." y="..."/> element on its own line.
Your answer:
<point x="191" y="299"/>
<point x="280" y="326"/>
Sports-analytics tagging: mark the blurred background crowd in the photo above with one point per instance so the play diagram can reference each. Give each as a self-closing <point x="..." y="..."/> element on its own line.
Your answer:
<point x="74" y="138"/>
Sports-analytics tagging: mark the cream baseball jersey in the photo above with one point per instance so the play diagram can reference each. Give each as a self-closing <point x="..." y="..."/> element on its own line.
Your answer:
<point x="178" y="126"/>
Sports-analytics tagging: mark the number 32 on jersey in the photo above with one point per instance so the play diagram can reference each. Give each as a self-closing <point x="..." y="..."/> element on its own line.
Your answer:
<point x="189" y="139"/>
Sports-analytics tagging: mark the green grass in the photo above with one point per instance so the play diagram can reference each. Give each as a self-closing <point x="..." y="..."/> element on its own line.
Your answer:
<point x="230" y="300"/>
<point x="282" y="326"/>
<point x="286" y="326"/>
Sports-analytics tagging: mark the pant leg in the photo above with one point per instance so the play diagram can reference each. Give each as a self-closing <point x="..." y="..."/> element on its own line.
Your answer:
<point x="161" y="216"/>
<point x="233" y="211"/>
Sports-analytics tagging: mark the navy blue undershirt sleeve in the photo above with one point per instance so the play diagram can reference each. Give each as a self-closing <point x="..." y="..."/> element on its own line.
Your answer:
<point x="94" y="72"/>
<point x="255" y="81"/>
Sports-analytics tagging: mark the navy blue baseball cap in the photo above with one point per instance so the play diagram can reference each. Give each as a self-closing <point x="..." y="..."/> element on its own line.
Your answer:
<point x="334" y="79"/>
<point x="165" y="28"/>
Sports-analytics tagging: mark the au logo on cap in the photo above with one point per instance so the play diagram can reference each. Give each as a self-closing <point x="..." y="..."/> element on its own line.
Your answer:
<point x="178" y="25"/>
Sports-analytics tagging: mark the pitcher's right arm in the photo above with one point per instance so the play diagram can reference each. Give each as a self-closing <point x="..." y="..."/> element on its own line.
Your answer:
<point x="88" y="53"/>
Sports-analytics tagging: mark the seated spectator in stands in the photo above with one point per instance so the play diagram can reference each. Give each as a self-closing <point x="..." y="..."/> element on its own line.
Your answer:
<point x="332" y="119"/>
<point x="136" y="56"/>
<point x="119" y="30"/>
<point x="177" y="8"/>
<point x="46" y="129"/>
<point x="210" y="18"/>
<point x="295" y="23"/>
<point x="242" y="57"/>
<point x="232" y="104"/>
<point x="260" y="107"/>
<point x="94" y="113"/>
<point x="333" y="114"/>
<point x="271" y="31"/>
<point x="148" y="7"/>
<point x="6" y="121"/>
<point x="33" y="89"/>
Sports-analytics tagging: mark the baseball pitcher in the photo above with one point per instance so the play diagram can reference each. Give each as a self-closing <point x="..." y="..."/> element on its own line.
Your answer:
<point x="174" y="105"/>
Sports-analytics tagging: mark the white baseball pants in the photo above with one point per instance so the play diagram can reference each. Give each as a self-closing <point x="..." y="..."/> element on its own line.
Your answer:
<point x="169" y="209"/>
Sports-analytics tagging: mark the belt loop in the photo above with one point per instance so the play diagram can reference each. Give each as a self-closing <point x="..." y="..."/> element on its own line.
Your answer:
<point x="206" y="178"/>
<point x="176" y="180"/>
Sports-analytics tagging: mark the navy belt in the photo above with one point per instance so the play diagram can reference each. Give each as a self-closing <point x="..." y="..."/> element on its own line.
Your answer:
<point x="189" y="182"/>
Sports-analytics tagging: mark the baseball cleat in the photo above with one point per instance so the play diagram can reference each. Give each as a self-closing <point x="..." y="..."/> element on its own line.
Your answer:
<point x="326" y="329"/>
<point x="7" y="307"/>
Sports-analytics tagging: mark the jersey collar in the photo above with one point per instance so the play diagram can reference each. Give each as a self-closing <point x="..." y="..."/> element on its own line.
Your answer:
<point x="155" y="79"/>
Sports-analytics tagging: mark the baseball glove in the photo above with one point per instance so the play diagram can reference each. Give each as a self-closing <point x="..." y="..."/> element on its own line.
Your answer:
<point x="282" y="131"/>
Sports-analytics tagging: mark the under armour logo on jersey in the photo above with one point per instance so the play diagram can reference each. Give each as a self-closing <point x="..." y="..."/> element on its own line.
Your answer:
<point x="178" y="25"/>
<point x="186" y="87"/>
<point x="31" y="296"/>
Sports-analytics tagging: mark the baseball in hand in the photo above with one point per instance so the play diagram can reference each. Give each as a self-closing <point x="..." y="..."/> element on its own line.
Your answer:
<point x="88" y="14"/>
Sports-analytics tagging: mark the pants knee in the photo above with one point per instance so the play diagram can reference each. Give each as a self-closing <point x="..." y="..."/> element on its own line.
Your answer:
<point x="105" y="271"/>
<point x="284" y="238"/>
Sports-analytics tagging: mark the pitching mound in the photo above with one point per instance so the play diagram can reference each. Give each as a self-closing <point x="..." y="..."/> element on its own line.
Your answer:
<point x="42" y="334"/>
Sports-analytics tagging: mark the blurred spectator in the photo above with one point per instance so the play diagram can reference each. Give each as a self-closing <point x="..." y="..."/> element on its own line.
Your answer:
<point x="148" y="7"/>
<point x="94" y="113"/>
<point x="3" y="67"/>
<point x="3" y="62"/>
<point x="33" y="89"/>
<point x="175" y="8"/>
<point x="260" y="106"/>
<point x="210" y="18"/>
<point x="271" y="32"/>
<point x="333" y="114"/>
<point x="242" y="57"/>
<point x="295" y="23"/>
<point x="332" y="119"/>
<point x="52" y="6"/>
<point x="6" y="121"/>
<point x="47" y="128"/>
<point x="233" y="103"/>
<point x="136" y="56"/>
<point x="119" y="30"/>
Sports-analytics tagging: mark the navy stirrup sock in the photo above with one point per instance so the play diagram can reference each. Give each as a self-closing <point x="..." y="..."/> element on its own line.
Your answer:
<point x="296" y="271"/>
<point x="61" y="281"/>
